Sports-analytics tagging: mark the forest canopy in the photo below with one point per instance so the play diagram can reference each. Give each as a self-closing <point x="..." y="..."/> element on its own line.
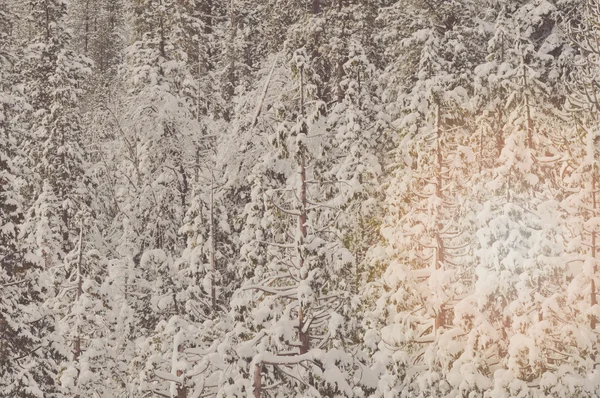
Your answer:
<point x="286" y="198"/>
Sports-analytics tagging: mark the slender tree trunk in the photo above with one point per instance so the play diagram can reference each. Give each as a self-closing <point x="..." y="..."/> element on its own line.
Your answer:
<point x="302" y="334"/>
<point x="438" y="152"/>
<point x="231" y="75"/>
<point x="257" y="382"/>
<point x="161" y="44"/>
<point x="439" y="249"/>
<point x="47" y="13"/>
<point x="86" y="38"/>
<point x="340" y="74"/>
<point x="77" y="343"/>
<point x="213" y="263"/>
<point x="593" y="296"/>
<point x="527" y="107"/>
<point x="181" y="388"/>
<point x="184" y="187"/>
<point x="62" y="192"/>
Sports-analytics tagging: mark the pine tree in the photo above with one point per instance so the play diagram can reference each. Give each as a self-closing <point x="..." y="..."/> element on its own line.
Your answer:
<point x="27" y="366"/>
<point x="98" y="32"/>
<point x="299" y="273"/>
<point x="161" y="144"/>
<point x="53" y="76"/>
<point x="157" y="124"/>
<point x="82" y="310"/>
<point x="356" y="129"/>
<point x="521" y="268"/>
<point x="427" y="229"/>
<point x="12" y="202"/>
<point x="278" y="198"/>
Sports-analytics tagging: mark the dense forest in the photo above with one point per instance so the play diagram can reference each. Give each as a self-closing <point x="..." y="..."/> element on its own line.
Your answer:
<point x="287" y="198"/>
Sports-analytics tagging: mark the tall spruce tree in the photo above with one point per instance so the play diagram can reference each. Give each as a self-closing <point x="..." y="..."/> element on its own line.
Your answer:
<point x="53" y="76"/>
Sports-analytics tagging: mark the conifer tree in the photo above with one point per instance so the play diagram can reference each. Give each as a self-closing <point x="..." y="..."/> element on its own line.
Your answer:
<point x="27" y="340"/>
<point x="157" y="129"/>
<point x="274" y="198"/>
<point x="299" y="272"/>
<point x="53" y="75"/>
<point x="98" y="31"/>
<point x="427" y="228"/>
<point x="517" y="309"/>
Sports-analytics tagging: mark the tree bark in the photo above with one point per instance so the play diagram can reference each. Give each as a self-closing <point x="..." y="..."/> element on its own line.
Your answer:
<point x="181" y="389"/>
<point x="77" y="343"/>
<point x="593" y="296"/>
<point x="257" y="382"/>
<point x="527" y="107"/>
<point x="213" y="263"/>
<point x="439" y="249"/>
<point x="302" y="334"/>
<point x="231" y="76"/>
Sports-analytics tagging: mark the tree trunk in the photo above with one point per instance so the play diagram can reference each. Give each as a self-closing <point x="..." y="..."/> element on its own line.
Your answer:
<point x="527" y="107"/>
<point x="439" y="249"/>
<point x="77" y="343"/>
<point x="257" y="382"/>
<point x="231" y="76"/>
<point x="302" y="334"/>
<point x="86" y="38"/>
<point x="181" y="389"/>
<point x="213" y="263"/>
<point x="340" y="77"/>
<point x="593" y="297"/>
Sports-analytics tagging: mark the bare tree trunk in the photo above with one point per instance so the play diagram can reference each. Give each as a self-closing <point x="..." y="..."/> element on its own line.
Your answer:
<point x="439" y="249"/>
<point x="213" y="263"/>
<point x="593" y="296"/>
<point x="302" y="334"/>
<point x="161" y="43"/>
<point x="184" y="187"/>
<point x="527" y="107"/>
<point x="340" y="77"/>
<point x="231" y="76"/>
<point x="181" y="389"/>
<point x="47" y="13"/>
<point x="77" y="343"/>
<point x="257" y="382"/>
<point x="86" y="38"/>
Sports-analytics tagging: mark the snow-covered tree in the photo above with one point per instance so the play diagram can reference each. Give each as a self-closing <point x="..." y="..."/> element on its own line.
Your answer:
<point x="290" y="310"/>
<point x="157" y="131"/>
<point x="426" y="260"/>
<point x="275" y="198"/>
<point x="27" y="368"/>
<point x="98" y="32"/>
<point x="53" y="75"/>
<point x="517" y="318"/>
<point x="12" y="202"/>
